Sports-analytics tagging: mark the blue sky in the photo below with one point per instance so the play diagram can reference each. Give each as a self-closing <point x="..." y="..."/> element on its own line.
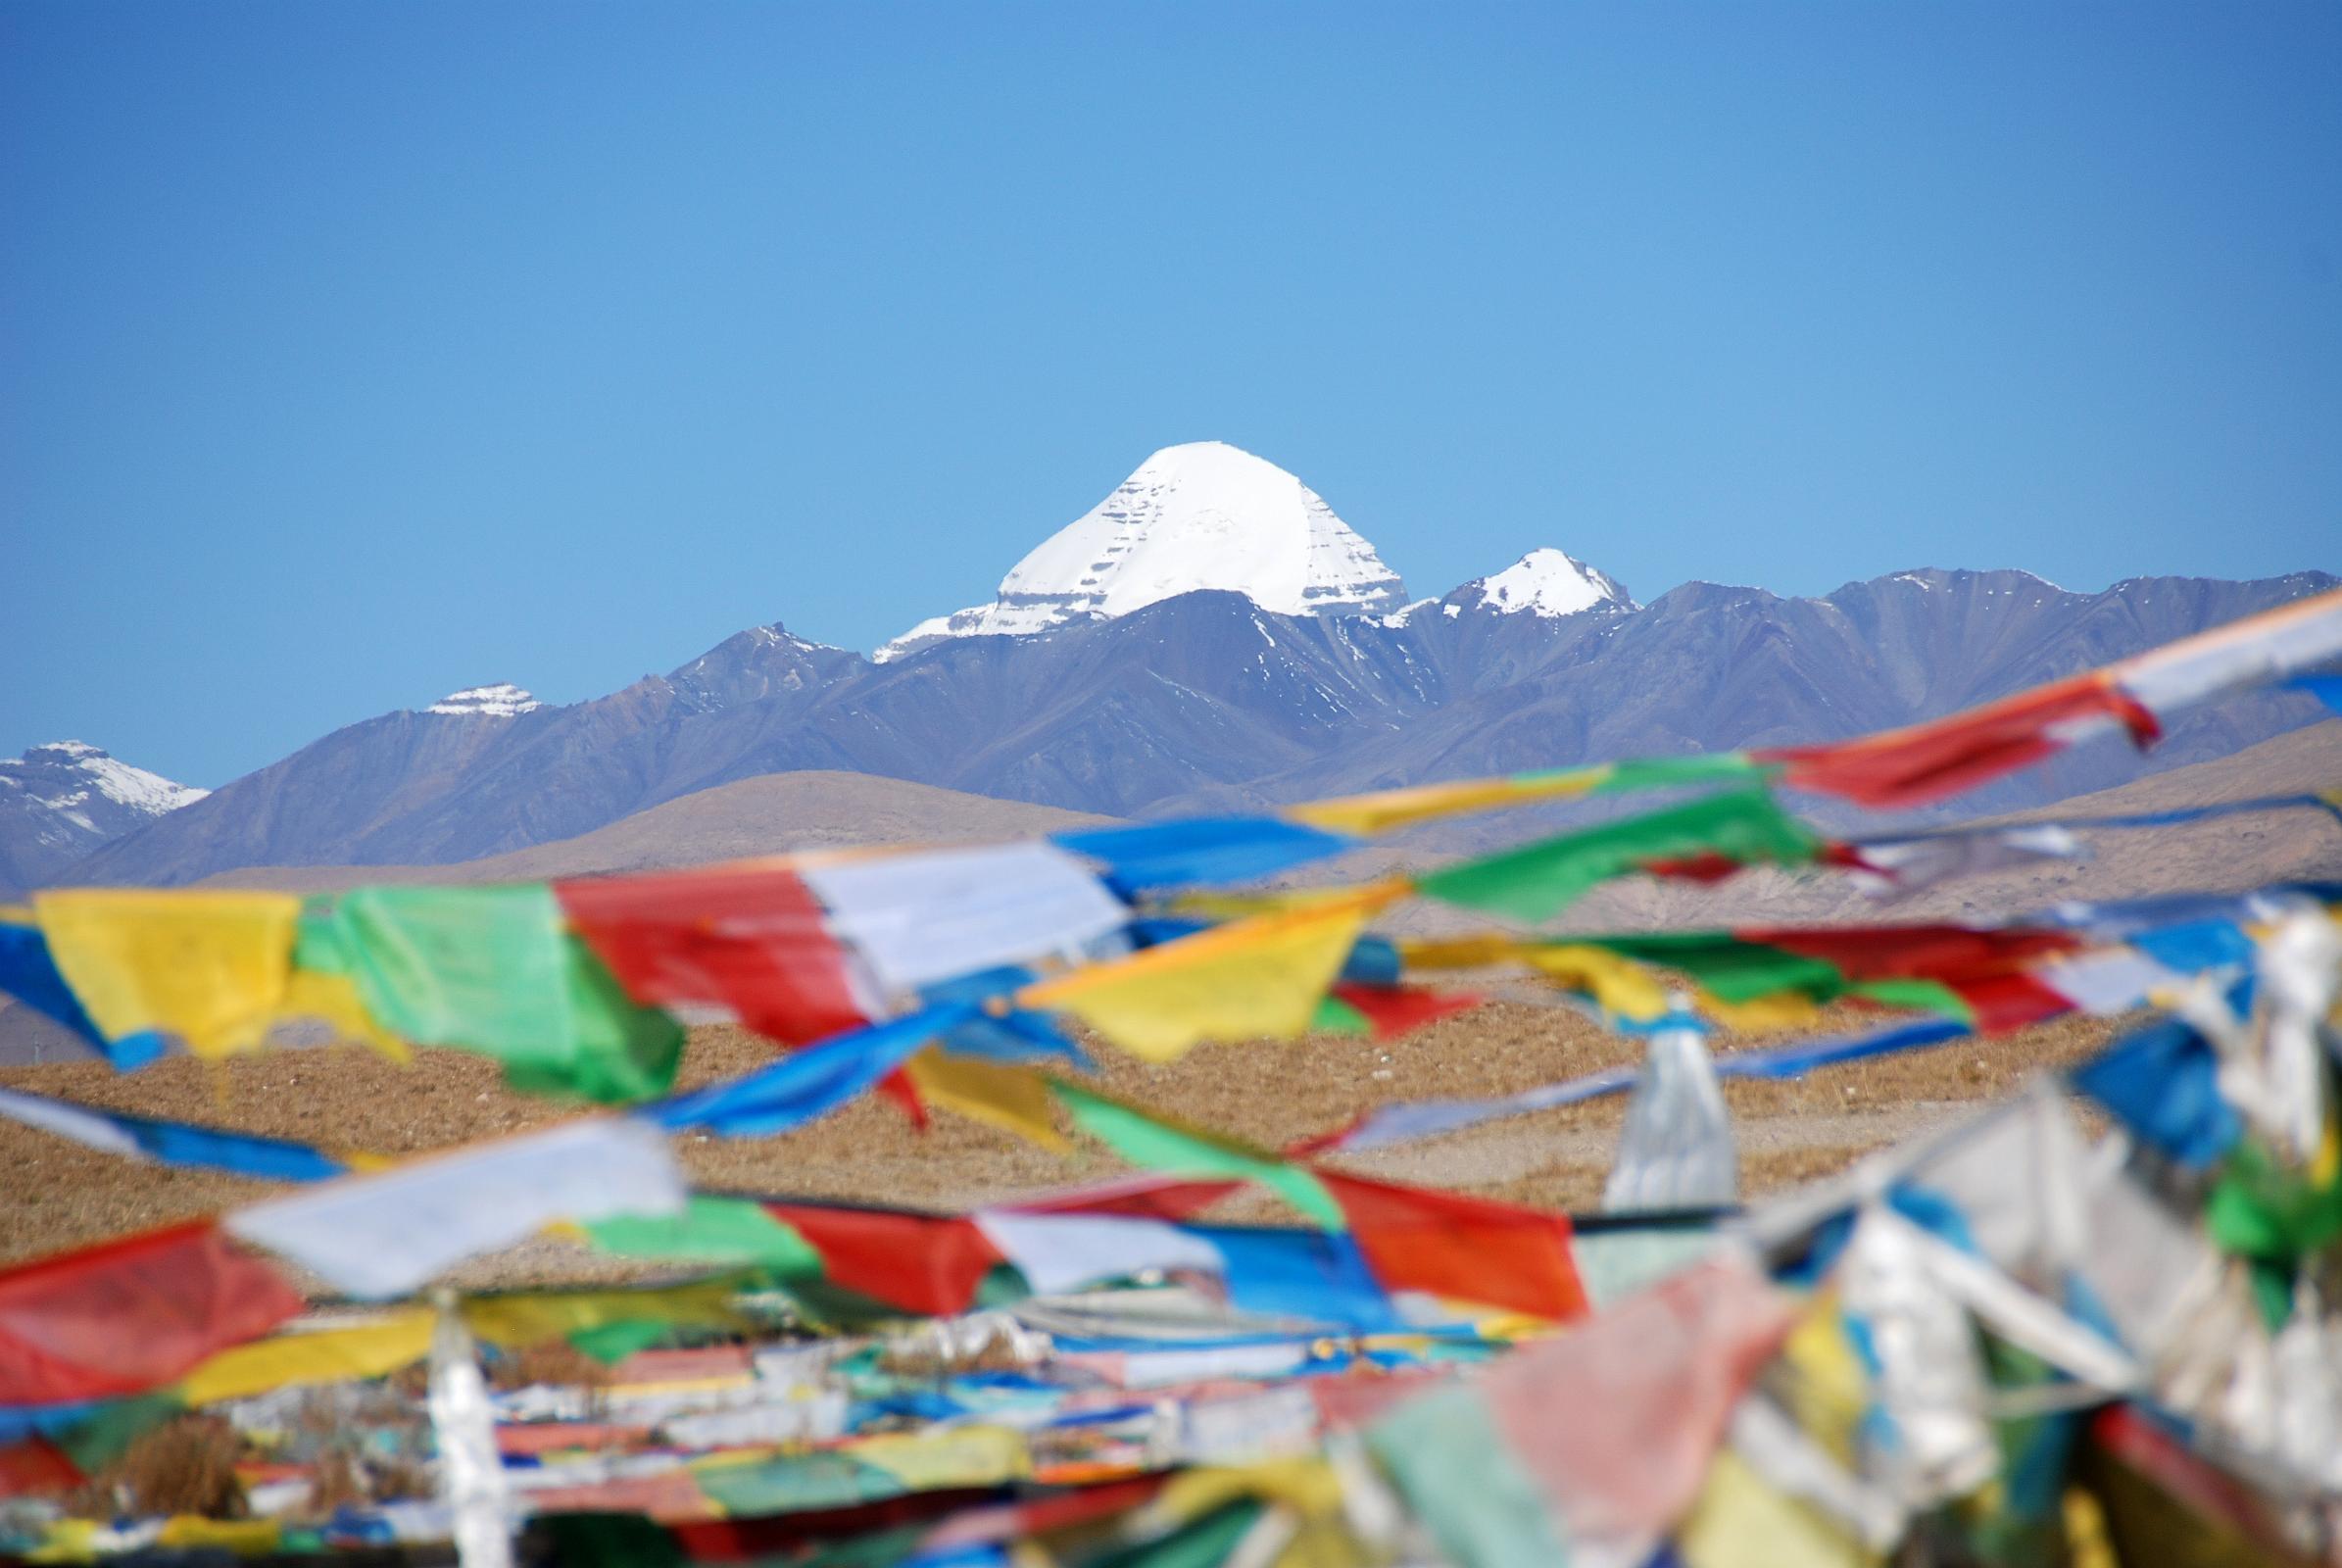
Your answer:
<point x="350" y="354"/>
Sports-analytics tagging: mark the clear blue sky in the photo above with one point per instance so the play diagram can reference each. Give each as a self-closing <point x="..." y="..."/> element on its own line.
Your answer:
<point x="350" y="354"/>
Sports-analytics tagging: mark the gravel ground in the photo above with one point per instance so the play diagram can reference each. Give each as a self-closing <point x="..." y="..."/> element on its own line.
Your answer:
<point x="55" y="1193"/>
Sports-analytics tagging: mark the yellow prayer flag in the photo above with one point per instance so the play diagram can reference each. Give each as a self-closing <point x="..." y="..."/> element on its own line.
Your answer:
<point x="1818" y="1377"/>
<point x="517" y="1321"/>
<point x="1252" y="979"/>
<point x="952" y="1456"/>
<point x="1015" y="1099"/>
<point x="1481" y="952"/>
<point x="327" y="1355"/>
<point x="1740" y="1522"/>
<point x="246" y="1537"/>
<point x="1207" y="905"/>
<point x="1619" y="984"/>
<point x="209" y="968"/>
<point x="333" y="1001"/>
<point x="1779" y="1010"/>
<point x="1308" y="1485"/>
<point x="1383" y="809"/>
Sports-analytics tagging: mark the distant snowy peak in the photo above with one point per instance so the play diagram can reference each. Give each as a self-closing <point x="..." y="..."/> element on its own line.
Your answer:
<point x="60" y="800"/>
<point x="502" y="700"/>
<point x="1202" y="515"/>
<point x="1545" y="584"/>
<point x="63" y="773"/>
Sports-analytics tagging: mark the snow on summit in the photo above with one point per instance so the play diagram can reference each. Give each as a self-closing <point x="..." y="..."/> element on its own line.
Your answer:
<point x="501" y="699"/>
<point x="1201" y="515"/>
<point x="71" y="771"/>
<point x="1547" y="583"/>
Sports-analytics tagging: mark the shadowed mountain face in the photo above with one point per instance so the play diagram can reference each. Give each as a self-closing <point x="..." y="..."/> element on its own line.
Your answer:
<point x="1207" y="701"/>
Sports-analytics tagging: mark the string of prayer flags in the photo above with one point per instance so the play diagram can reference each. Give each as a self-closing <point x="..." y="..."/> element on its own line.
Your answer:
<point x="1385" y="810"/>
<point x="132" y="1314"/>
<point x="1259" y="978"/>
<point x="1536" y="882"/>
<point x="388" y="1233"/>
<point x="496" y="971"/>
<point x="207" y="968"/>
<point x="1975" y="973"/>
<point x="1924" y="762"/>
<point x="170" y="1143"/>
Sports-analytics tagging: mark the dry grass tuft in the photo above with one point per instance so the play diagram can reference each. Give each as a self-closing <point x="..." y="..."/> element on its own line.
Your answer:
<point x="556" y="1363"/>
<point x="186" y="1466"/>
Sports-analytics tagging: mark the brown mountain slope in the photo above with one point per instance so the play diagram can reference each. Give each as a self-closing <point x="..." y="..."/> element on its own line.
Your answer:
<point x="772" y="814"/>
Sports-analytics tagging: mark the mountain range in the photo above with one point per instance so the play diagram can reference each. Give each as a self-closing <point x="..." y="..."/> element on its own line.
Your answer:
<point x="1211" y="636"/>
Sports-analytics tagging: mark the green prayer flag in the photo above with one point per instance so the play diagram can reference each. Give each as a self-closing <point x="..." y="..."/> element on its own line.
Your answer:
<point x="2274" y="1217"/>
<point x="1155" y="1143"/>
<point x="1919" y="996"/>
<point x="1335" y="1016"/>
<point x="1203" y="1542"/>
<point x="1536" y="882"/>
<point x="1458" y="1475"/>
<point x="1733" y="969"/>
<point x="1659" y="772"/>
<point x="496" y="971"/>
<point x="711" y="1230"/>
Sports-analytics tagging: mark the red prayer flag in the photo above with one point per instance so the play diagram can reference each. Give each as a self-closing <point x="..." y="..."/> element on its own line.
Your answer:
<point x="1141" y="1197"/>
<point x="926" y="1263"/>
<point x="1945" y="953"/>
<point x="131" y="1315"/>
<point x="1924" y="762"/>
<point x="751" y="941"/>
<point x="1391" y="1010"/>
<point x="1468" y="1248"/>
<point x="33" y="1468"/>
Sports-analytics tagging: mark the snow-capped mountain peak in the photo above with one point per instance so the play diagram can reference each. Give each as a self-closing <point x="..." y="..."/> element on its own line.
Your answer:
<point x="60" y="800"/>
<point x="1202" y="515"/>
<point x="1546" y="582"/>
<point x="498" y="700"/>
<point x="62" y="774"/>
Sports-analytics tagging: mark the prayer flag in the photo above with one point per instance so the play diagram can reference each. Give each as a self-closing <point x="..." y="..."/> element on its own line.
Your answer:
<point x="208" y="967"/>
<point x="496" y="971"/>
<point x="388" y="1233"/>
<point x="132" y="1314"/>
<point x="1257" y="978"/>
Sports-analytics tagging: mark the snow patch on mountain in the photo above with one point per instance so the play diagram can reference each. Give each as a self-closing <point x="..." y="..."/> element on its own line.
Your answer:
<point x="1547" y="583"/>
<point x="499" y="700"/>
<point x="65" y="776"/>
<point x="61" y="800"/>
<point x="1203" y="516"/>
